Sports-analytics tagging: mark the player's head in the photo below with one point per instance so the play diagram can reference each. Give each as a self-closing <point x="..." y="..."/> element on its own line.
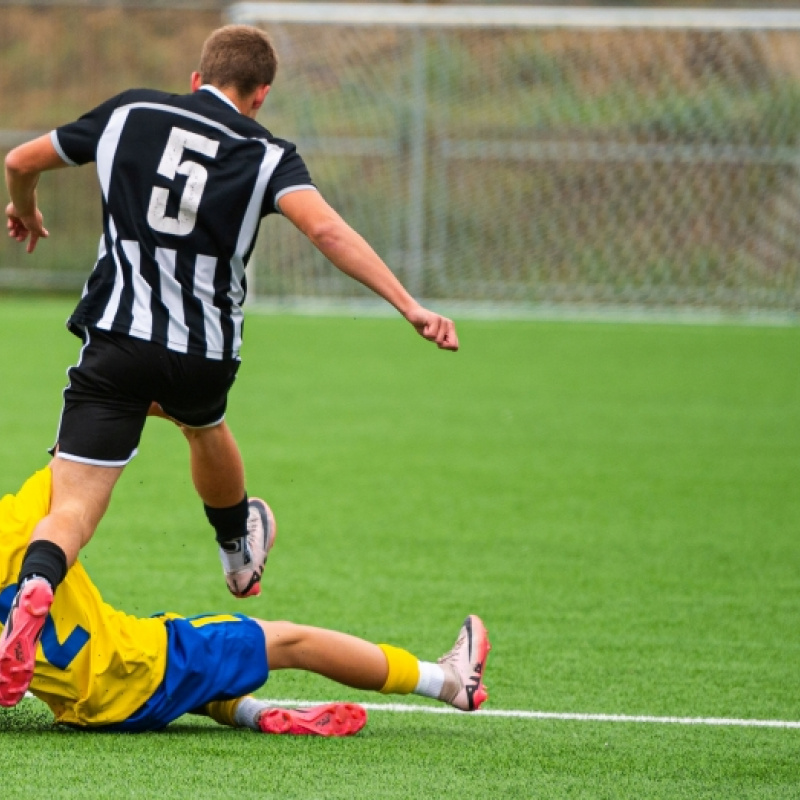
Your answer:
<point x="238" y="57"/>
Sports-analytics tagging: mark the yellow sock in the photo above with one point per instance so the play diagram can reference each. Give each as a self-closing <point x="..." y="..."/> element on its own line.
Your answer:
<point x="223" y="711"/>
<point x="403" y="670"/>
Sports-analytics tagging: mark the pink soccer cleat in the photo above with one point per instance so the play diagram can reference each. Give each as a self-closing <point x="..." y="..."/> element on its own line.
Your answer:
<point x="19" y="638"/>
<point x="465" y="665"/>
<point x="330" y="719"/>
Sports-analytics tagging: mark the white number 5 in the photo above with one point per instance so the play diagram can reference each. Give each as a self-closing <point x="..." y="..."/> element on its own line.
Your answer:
<point x="196" y="176"/>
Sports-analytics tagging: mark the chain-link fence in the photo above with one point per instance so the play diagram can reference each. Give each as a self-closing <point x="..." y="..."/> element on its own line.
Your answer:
<point x="647" y="166"/>
<point x="622" y="163"/>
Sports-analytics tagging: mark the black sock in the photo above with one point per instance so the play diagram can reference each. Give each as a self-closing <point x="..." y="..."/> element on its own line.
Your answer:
<point x="45" y="559"/>
<point x="229" y="523"/>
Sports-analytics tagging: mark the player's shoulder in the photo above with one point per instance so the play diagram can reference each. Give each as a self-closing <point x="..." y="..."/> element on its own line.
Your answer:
<point x="212" y="106"/>
<point x="205" y="105"/>
<point x="142" y="95"/>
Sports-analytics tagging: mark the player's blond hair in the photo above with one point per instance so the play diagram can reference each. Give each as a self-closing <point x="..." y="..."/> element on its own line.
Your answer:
<point x="238" y="57"/>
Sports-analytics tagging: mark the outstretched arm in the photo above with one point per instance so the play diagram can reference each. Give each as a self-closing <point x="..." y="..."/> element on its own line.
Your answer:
<point x="349" y="251"/>
<point x="24" y="165"/>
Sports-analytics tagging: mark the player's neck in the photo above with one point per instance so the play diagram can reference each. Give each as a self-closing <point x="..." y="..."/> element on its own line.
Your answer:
<point x="242" y="105"/>
<point x="246" y="104"/>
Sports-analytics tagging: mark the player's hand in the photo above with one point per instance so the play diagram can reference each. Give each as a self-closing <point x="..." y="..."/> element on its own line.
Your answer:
<point x="21" y="226"/>
<point x="434" y="327"/>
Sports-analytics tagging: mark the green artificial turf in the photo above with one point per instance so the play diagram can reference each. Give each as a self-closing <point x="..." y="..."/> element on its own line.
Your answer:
<point x="619" y="502"/>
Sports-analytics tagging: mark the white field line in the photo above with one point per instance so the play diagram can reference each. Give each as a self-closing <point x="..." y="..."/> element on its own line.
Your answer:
<point x="555" y="715"/>
<point x="564" y="716"/>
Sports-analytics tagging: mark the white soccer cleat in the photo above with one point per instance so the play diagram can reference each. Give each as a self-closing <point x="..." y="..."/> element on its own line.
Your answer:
<point x="243" y="559"/>
<point x="465" y="665"/>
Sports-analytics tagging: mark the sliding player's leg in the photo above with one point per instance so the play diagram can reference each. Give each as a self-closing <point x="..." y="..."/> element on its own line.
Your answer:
<point x="456" y="678"/>
<point x="325" y="719"/>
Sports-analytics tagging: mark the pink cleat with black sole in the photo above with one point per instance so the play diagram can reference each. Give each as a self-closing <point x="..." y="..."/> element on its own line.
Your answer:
<point x="329" y="719"/>
<point x="19" y="639"/>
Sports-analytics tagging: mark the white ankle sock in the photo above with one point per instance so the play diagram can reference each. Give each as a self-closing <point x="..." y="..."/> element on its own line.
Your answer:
<point x="431" y="680"/>
<point x="36" y="577"/>
<point x="248" y="712"/>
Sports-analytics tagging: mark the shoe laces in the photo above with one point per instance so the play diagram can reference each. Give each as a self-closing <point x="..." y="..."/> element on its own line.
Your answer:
<point x="254" y="524"/>
<point x="453" y="682"/>
<point x="451" y="657"/>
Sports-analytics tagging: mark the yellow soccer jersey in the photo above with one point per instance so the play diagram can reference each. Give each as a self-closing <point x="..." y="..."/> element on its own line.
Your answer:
<point x="94" y="665"/>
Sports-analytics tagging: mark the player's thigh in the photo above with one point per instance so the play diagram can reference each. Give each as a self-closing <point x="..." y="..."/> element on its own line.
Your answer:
<point x="81" y="492"/>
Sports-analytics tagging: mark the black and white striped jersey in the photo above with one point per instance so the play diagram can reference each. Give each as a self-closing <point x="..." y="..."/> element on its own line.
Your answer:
<point x="185" y="181"/>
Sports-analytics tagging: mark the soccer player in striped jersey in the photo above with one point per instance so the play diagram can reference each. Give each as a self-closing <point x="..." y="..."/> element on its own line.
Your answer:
<point x="97" y="667"/>
<point x="185" y="182"/>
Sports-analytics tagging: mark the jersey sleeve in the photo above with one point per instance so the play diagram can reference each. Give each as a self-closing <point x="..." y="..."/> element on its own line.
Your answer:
<point x="290" y="174"/>
<point x="76" y="142"/>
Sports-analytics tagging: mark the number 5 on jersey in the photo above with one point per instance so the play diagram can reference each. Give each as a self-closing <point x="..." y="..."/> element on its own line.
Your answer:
<point x="196" y="177"/>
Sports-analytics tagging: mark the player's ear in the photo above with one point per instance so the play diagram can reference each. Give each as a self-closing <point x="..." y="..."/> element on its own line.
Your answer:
<point x="197" y="81"/>
<point x="259" y="96"/>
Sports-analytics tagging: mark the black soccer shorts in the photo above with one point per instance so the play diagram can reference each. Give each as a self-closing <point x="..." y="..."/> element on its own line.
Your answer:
<point x="111" y="388"/>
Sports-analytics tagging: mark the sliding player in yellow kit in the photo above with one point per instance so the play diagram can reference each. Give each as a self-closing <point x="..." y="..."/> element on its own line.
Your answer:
<point x="97" y="667"/>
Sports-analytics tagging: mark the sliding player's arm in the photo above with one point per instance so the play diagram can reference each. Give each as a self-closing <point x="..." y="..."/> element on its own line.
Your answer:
<point x="24" y="165"/>
<point x="349" y="251"/>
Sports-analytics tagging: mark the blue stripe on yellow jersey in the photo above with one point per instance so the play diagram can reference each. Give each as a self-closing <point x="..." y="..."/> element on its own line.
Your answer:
<point x="94" y="665"/>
